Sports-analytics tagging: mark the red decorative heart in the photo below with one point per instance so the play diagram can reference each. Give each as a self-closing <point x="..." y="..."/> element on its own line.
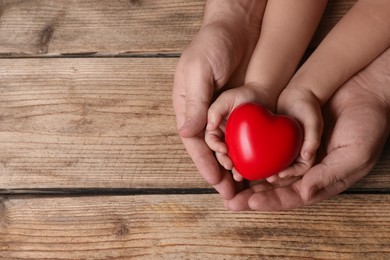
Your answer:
<point x="260" y="143"/>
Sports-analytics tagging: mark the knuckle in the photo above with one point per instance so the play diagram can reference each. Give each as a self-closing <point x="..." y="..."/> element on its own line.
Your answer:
<point x="365" y="157"/>
<point x="331" y="178"/>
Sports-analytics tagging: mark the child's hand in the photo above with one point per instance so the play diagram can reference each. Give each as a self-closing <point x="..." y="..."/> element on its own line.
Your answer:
<point x="306" y="108"/>
<point x="219" y="112"/>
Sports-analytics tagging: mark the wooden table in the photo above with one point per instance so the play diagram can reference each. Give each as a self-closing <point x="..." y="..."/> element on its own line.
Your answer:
<point x="91" y="166"/>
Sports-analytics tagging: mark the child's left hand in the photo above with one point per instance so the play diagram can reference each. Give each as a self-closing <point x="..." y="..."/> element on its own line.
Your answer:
<point x="306" y="108"/>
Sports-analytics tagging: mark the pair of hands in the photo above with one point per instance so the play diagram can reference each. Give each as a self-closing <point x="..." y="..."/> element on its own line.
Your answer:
<point x="217" y="60"/>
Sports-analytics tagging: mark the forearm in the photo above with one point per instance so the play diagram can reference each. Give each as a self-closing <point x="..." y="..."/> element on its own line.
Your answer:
<point x="286" y="31"/>
<point x="244" y="12"/>
<point x="362" y="35"/>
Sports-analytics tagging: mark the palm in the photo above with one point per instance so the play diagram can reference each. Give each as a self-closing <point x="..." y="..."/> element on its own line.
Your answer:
<point x="217" y="57"/>
<point x="357" y="126"/>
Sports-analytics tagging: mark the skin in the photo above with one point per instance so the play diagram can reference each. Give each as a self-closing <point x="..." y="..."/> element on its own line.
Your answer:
<point x="286" y="31"/>
<point x="349" y="151"/>
<point x="361" y="36"/>
<point x="217" y="58"/>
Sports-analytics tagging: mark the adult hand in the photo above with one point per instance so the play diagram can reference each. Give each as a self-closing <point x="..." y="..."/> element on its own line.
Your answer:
<point x="217" y="57"/>
<point x="357" y="125"/>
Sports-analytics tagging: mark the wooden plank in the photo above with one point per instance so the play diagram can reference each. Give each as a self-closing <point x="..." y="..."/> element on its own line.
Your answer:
<point x="96" y="26"/>
<point x="191" y="227"/>
<point x="99" y="123"/>
<point x="99" y="27"/>
<point x="90" y="123"/>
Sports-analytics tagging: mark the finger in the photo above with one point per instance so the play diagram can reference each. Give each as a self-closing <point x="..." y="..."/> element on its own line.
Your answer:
<point x="224" y="160"/>
<point x="226" y="186"/>
<point x="220" y="109"/>
<point x="276" y="181"/>
<point x="240" y="201"/>
<point x="236" y="175"/>
<point x="273" y="178"/>
<point x="213" y="139"/>
<point x="286" y="181"/>
<point x="198" y="90"/>
<point x="208" y="167"/>
<point x="298" y="168"/>
<point x="311" y="118"/>
<point x="204" y="160"/>
<point x="338" y="171"/>
<point x="275" y="199"/>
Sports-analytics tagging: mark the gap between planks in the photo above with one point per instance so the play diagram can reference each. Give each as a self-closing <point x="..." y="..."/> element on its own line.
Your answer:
<point x="93" y="55"/>
<point x="83" y="192"/>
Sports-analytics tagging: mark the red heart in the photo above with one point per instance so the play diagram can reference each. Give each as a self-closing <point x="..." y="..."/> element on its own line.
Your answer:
<point x="261" y="144"/>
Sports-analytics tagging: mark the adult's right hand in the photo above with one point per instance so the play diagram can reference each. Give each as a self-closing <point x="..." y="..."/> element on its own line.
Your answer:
<point x="216" y="58"/>
<point x="357" y="125"/>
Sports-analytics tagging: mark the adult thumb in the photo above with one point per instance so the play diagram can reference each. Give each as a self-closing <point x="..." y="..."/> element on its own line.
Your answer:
<point x="199" y="89"/>
<point x="339" y="170"/>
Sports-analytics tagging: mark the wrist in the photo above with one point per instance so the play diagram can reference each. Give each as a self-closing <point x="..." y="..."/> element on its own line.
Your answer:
<point x="311" y="83"/>
<point x="269" y="89"/>
<point x="264" y="94"/>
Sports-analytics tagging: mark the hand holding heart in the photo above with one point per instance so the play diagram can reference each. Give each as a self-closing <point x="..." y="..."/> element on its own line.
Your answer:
<point x="349" y="152"/>
<point x="261" y="144"/>
<point x="258" y="144"/>
<point x="274" y="147"/>
<point x="229" y="51"/>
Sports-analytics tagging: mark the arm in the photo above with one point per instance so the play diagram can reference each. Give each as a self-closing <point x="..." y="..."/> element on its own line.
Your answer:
<point x="361" y="36"/>
<point x="286" y="31"/>
<point x="244" y="12"/>
<point x="358" y="126"/>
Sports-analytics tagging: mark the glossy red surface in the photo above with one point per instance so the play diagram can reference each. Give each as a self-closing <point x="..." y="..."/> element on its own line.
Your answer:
<point x="261" y="144"/>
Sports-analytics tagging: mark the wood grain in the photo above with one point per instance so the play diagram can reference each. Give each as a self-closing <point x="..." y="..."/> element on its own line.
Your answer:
<point x="46" y="27"/>
<point x="92" y="126"/>
<point x="97" y="27"/>
<point x="90" y="123"/>
<point x="191" y="227"/>
<point x="99" y="123"/>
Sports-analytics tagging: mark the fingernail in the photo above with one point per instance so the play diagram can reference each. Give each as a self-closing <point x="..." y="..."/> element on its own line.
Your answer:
<point x="272" y="179"/>
<point x="282" y="175"/>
